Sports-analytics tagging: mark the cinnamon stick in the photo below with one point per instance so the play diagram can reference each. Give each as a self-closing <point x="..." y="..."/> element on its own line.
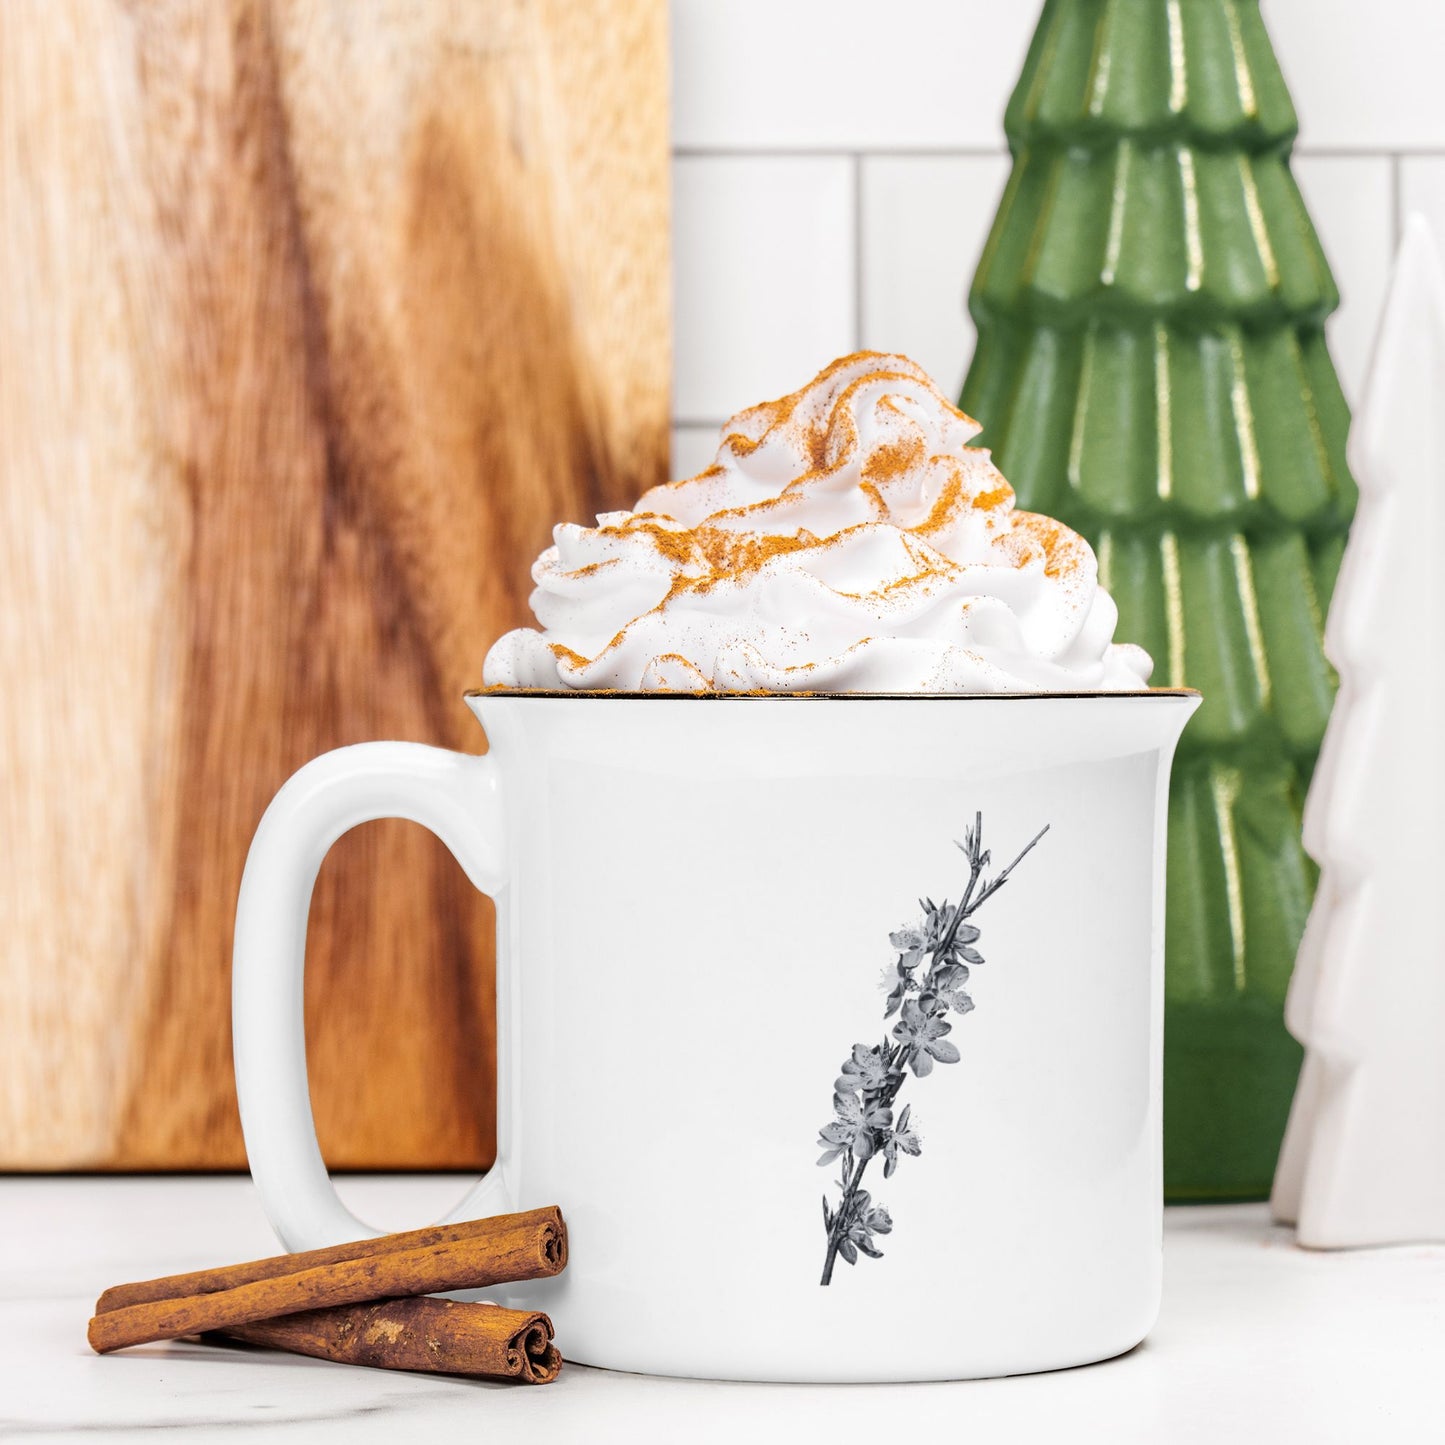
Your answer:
<point x="436" y="1335"/>
<point x="480" y="1252"/>
<point x="207" y="1281"/>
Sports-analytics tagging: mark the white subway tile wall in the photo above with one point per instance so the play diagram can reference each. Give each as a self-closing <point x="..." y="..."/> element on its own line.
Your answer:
<point x="693" y="449"/>
<point x="837" y="164"/>
<point x="765" y="276"/>
<point x="1351" y="200"/>
<point x="925" y="219"/>
<point x="854" y="75"/>
<point x="1422" y="189"/>
<point x="1365" y="77"/>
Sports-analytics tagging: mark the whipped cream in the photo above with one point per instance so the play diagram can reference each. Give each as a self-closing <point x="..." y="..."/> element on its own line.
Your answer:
<point x="846" y="539"/>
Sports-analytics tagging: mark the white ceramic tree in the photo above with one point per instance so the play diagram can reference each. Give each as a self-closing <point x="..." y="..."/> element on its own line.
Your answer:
<point x="1363" y="1160"/>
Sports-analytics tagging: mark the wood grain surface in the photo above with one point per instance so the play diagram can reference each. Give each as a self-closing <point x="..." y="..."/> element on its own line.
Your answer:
<point x="314" y="318"/>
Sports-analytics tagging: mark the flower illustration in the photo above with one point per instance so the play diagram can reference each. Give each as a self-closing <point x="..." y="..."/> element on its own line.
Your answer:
<point x="900" y="1139"/>
<point x="861" y="1220"/>
<point x="854" y="1129"/>
<point x="949" y="976"/>
<point x="924" y="985"/>
<point x="867" y="1070"/>
<point x="922" y="1035"/>
<point x="912" y="943"/>
<point x="900" y="982"/>
<point x="947" y="986"/>
<point x="966" y="934"/>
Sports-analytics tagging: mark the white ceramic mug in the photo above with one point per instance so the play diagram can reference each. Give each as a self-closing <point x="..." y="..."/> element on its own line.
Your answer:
<point x="703" y="905"/>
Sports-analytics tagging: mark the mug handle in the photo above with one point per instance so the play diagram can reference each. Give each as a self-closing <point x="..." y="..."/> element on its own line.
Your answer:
<point x="455" y="795"/>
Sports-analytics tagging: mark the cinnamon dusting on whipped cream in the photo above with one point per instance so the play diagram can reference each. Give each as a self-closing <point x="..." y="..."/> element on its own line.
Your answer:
<point x="846" y="538"/>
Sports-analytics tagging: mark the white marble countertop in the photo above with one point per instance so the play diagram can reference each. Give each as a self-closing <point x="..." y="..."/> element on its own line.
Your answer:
<point x="1258" y="1341"/>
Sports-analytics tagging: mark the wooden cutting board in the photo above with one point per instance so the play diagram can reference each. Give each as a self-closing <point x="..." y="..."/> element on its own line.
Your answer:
<point x="316" y="318"/>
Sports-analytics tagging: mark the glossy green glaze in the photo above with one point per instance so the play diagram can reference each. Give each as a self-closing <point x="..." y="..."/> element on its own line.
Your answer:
<point x="1151" y="368"/>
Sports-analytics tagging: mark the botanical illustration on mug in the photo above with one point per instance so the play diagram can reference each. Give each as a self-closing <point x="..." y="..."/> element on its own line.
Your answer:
<point x="925" y="985"/>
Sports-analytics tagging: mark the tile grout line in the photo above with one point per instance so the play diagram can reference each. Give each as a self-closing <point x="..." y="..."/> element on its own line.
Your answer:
<point x="823" y="153"/>
<point x="1302" y="151"/>
<point x="1363" y="153"/>
<point x="857" y="251"/>
<point x="1397" y="201"/>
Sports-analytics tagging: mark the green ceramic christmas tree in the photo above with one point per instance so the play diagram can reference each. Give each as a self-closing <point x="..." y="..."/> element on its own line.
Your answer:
<point x="1151" y="368"/>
